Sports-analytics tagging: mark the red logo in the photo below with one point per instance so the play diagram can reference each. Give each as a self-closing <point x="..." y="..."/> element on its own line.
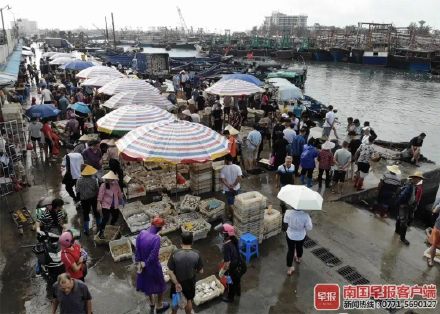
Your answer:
<point x="327" y="297"/>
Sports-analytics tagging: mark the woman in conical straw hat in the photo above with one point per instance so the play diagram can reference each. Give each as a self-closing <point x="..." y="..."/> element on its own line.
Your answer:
<point x="109" y="198"/>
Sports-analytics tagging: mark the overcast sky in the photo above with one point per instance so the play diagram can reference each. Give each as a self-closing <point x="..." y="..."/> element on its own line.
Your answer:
<point x="236" y="15"/>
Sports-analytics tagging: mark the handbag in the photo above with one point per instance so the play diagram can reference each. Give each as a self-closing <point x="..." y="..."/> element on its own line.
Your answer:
<point x="29" y="146"/>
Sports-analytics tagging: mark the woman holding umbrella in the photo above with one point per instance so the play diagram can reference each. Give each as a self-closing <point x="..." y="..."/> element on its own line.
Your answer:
<point x="299" y="222"/>
<point x="298" y="198"/>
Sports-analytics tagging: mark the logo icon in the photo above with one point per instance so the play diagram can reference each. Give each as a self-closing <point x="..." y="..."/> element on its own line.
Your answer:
<point x="327" y="297"/>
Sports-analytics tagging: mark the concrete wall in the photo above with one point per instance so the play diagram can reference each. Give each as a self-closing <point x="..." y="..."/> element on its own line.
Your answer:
<point x="6" y="50"/>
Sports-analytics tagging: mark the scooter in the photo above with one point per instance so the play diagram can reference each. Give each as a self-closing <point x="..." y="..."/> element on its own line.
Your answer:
<point x="48" y="255"/>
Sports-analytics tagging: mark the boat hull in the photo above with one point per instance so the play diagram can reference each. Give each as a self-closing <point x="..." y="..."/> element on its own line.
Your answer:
<point x="322" y="55"/>
<point x="340" y="54"/>
<point x="412" y="64"/>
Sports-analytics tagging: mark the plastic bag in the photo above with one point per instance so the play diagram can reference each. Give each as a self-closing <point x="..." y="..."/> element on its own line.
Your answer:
<point x="29" y="146"/>
<point x="178" y="301"/>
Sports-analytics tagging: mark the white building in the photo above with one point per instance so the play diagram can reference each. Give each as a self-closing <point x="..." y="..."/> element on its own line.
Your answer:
<point x="26" y="27"/>
<point x="285" y="22"/>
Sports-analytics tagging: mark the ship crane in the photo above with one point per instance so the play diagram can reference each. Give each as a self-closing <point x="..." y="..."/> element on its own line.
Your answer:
<point x="182" y="21"/>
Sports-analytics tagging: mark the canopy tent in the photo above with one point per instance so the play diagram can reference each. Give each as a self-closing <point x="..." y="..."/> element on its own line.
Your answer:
<point x="77" y="65"/>
<point x="244" y="77"/>
<point x="61" y="60"/>
<point x="285" y="90"/>
<point x="98" y="81"/>
<point x="99" y="70"/>
<point x="130" y="117"/>
<point x="144" y="97"/>
<point x="175" y="142"/>
<point x="233" y="87"/>
<point x="300" y="197"/>
<point x="120" y="85"/>
<point x="282" y="74"/>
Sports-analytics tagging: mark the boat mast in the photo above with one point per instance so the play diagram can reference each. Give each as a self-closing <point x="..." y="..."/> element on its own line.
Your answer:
<point x="106" y="29"/>
<point x="114" y="35"/>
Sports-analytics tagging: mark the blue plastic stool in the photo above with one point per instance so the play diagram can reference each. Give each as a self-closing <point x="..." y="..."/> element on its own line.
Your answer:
<point x="248" y="246"/>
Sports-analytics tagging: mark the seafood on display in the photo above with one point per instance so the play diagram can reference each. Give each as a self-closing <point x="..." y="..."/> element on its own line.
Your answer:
<point x="189" y="203"/>
<point x="206" y="289"/>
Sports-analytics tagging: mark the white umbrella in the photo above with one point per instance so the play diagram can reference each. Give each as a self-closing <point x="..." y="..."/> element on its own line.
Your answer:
<point x="49" y="54"/>
<point x="234" y="88"/>
<point x="98" y="81"/>
<point x="61" y="55"/>
<point x="120" y="85"/>
<point x="99" y="70"/>
<point x="61" y="60"/>
<point x="144" y="97"/>
<point x="300" y="197"/>
<point x="27" y="53"/>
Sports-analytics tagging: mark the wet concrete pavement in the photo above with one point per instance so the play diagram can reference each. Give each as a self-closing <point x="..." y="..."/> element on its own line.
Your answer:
<point x="353" y="235"/>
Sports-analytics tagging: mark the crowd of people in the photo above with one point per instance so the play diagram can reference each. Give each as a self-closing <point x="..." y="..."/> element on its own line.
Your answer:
<point x="93" y="177"/>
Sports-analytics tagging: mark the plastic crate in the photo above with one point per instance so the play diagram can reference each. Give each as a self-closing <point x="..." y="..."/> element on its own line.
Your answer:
<point x="187" y="217"/>
<point x="165" y="253"/>
<point x="204" y="207"/>
<point x="250" y="200"/>
<point x="110" y="233"/>
<point x="115" y="243"/>
<point x="271" y="234"/>
<point x="189" y="203"/>
<point x="272" y="221"/>
<point x="220" y="289"/>
<point x="248" y="216"/>
<point x="171" y="225"/>
<point x="199" y="234"/>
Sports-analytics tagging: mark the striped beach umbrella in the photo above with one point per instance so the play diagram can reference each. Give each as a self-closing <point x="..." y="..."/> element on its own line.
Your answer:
<point x="144" y="97"/>
<point x="120" y="85"/>
<point x="99" y="70"/>
<point x="130" y="117"/>
<point x="98" y="81"/>
<point x="234" y="87"/>
<point x="174" y="142"/>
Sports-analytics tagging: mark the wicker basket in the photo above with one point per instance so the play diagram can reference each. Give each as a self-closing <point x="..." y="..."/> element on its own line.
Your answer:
<point x="123" y="241"/>
<point x="199" y="234"/>
<point x="220" y="289"/>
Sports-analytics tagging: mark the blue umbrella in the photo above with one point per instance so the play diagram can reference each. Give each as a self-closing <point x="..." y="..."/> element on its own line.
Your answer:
<point x="77" y="65"/>
<point x="42" y="111"/>
<point x="244" y="77"/>
<point x="81" y="107"/>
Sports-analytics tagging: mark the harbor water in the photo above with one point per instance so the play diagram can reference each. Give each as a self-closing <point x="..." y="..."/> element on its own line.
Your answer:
<point x="399" y="105"/>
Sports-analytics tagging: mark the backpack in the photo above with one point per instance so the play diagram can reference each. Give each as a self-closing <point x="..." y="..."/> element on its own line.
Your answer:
<point x="306" y="155"/>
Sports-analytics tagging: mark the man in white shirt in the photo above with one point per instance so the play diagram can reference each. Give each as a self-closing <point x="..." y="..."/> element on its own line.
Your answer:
<point x="289" y="132"/>
<point x="253" y="142"/>
<point x="342" y="159"/>
<point x="72" y="166"/>
<point x="35" y="132"/>
<point x="46" y="95"/>
<point x="329" y="122"/>
<point x="230" y="176"/>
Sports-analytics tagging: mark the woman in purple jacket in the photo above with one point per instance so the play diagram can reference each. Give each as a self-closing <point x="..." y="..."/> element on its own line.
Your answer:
<point x="150" y="278"/>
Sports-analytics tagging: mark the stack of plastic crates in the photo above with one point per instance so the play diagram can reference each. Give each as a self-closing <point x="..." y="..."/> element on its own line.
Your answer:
<point x="201" y="177"/>
<point x="249" y="214"/>
<point x="272" y="223"/>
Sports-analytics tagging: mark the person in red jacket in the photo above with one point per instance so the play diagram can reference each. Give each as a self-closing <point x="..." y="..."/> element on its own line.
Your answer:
<point x="71" y="256"/>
